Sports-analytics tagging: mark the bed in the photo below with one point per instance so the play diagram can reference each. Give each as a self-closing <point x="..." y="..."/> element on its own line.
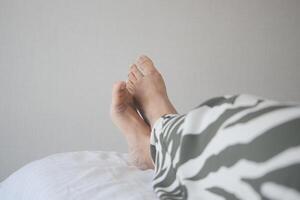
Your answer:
<point x="79" y="176"/>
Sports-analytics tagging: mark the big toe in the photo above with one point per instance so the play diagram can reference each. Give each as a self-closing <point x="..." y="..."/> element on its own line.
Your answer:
<point x="118" y="94"/>
<point x="145" y="65"/>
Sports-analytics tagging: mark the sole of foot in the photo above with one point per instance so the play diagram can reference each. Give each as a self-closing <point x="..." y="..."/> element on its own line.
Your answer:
<point x="133" y="127"/>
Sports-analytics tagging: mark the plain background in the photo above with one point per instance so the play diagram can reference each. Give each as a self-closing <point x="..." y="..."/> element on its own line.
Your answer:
<point x="59" y="58"/>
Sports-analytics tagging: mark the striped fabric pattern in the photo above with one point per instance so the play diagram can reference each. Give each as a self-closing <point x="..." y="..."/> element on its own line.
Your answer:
<point x="230" y="147"/>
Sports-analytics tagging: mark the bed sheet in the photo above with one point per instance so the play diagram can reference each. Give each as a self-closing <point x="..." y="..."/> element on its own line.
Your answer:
<point x="87" y="175"/>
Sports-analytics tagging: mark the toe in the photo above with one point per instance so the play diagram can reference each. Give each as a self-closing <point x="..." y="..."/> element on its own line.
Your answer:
<point x="137" y="73"/>
<point x="145" y="65"/>
<point x="119" y="86"/>
<point x="130" y="86"/>
<point x="118" y="92"/>
<point x="132" y="77"/>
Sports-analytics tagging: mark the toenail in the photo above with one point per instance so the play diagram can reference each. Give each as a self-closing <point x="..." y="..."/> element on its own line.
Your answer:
<point x="132" y="66"/>
<point x="141" y="58"/>
<point x="132" y="75"/>
<point x="123" y="86"/>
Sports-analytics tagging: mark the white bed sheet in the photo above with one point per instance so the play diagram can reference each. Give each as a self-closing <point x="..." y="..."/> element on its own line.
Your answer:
<point x="79" y="176"/>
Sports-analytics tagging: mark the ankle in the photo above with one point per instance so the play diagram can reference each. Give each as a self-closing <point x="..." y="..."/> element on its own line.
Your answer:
<point x="161" y="106"/>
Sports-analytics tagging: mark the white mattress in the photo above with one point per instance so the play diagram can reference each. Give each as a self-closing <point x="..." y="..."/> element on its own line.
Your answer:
<point x="79" y="176"/>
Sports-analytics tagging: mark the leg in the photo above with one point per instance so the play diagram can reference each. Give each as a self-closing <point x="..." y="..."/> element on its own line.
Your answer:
<point x="234" y="147"/>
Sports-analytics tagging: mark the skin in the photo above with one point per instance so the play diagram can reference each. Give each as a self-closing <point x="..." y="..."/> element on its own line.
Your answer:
<point x="145" y="91"/>
<point x="136" y="131"/>
<point x="148" y="88"/>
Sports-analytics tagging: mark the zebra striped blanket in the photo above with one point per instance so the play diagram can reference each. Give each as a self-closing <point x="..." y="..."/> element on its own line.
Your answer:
<point x="231" y="147"/>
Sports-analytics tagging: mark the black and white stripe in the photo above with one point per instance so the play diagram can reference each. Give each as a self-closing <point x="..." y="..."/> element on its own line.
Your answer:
<point x="231" y="147"/>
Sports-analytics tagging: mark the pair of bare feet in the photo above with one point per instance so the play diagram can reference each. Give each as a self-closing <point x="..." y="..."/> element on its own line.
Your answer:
<point x="136" y="105"/>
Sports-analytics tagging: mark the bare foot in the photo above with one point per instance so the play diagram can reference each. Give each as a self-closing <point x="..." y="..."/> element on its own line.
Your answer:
<point x="136" y="131"/>
<point x="147" y="86"/>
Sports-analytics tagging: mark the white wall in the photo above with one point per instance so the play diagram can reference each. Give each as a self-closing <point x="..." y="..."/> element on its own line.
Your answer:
<point x="59" y="58"/>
